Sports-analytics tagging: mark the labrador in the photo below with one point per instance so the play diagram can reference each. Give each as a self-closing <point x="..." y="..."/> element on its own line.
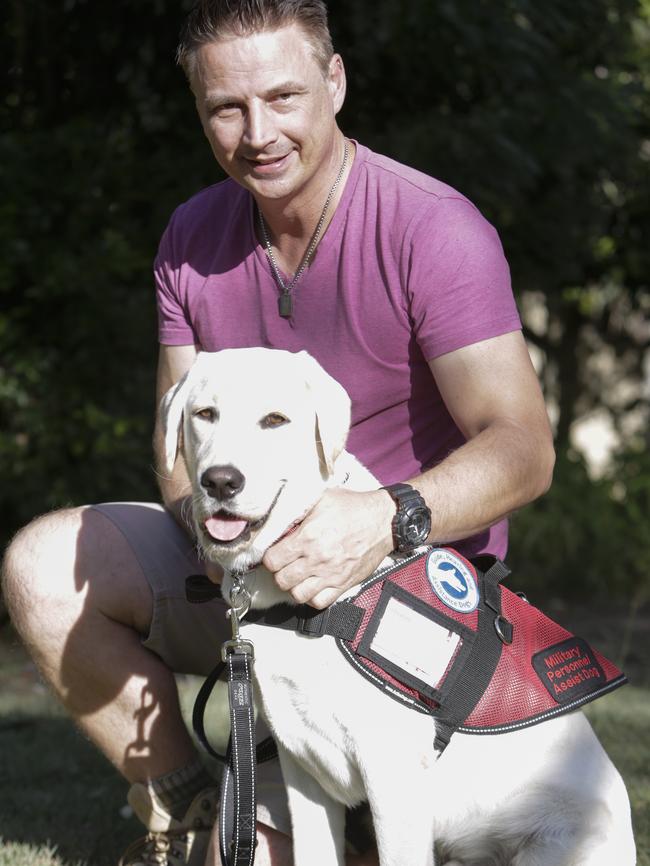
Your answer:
<point x="263" y="435"/>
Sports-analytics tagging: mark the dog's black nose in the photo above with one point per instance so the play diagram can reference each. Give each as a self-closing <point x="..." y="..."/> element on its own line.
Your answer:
<point x="222" y="482"/>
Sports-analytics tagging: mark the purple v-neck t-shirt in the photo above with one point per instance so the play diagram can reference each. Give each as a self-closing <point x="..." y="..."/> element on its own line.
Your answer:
<point x="407" y="270"/>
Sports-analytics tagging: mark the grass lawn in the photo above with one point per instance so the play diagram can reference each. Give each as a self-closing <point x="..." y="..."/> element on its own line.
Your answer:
<point x="62" y="804"/>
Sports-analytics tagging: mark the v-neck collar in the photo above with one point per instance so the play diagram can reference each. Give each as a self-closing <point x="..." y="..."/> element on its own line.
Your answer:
<point x="330" y="235"/>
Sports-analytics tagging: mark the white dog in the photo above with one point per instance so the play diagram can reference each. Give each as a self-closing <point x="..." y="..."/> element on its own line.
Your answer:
<point x="263" y="435"/>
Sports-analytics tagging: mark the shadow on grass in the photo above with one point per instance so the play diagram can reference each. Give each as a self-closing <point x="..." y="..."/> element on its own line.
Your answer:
<point x="56" y="788"/>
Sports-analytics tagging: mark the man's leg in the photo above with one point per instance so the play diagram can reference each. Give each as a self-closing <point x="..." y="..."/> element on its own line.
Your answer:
<point x="80" y="602"/>
<point x="79" y="597"/>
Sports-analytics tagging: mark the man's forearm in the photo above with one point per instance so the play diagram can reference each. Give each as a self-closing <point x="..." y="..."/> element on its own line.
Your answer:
<point x="500" y="470"/>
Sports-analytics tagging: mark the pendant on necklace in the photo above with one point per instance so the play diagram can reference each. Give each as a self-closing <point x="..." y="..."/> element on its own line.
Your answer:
<point x="285" y="305"/>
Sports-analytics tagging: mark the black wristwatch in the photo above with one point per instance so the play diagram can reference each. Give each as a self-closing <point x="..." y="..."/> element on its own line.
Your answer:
<point x="412" y="522"/>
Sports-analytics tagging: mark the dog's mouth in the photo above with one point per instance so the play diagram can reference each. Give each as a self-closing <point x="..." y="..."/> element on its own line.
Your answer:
<point x="228" y="529"/>
<point x="225" y="528"/>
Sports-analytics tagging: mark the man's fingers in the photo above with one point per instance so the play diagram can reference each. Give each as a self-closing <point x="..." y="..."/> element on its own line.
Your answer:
<point x="306" y="590"/>
<point x="325" y="597"/>
<point x="283" y="553"/>
<point x="292" y="575"/>
<point x="315" y="592"/>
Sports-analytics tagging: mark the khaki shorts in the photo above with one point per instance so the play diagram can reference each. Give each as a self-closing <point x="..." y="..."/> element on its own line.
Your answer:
<point x="186" y="636"/>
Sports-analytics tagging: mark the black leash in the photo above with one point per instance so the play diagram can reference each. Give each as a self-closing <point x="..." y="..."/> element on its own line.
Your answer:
<point x="237" y="831"/>
<point x="238" y="800"/>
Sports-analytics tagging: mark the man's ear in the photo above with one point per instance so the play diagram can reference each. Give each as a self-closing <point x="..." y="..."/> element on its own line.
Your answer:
<point x="171" y="416"/>
<point x="337" y="82"/>
<point x="333" y="407"/>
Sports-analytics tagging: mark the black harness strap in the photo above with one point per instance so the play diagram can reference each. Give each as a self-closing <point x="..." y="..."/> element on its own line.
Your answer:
<point x="341" y="620"/>
<point x="464" y="687"/>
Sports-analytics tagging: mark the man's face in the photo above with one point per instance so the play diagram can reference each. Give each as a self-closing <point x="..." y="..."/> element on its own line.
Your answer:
<point x="268" y="110"/>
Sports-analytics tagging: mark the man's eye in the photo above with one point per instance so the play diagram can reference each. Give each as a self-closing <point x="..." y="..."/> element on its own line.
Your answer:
<point x="274" y="419"/>
<point x="208" y="413"/>
<point x="228" y="109"/>
<point x="283" y="98"/>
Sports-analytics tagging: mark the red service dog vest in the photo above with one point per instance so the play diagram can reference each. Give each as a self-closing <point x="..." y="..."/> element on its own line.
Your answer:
<point x="440" y="634"/>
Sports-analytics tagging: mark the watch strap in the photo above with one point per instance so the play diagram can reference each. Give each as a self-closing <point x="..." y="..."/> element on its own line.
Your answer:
<point x="402" y="492"/>
<point x="405" y="497"/>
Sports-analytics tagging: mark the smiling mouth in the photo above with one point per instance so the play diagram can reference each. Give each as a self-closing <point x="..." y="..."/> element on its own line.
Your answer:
<point x="268" y="164"/>
<point x="227" y="529"/>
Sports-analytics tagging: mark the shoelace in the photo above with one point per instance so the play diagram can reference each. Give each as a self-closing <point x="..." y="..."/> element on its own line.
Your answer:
<point x="162" y="848"/>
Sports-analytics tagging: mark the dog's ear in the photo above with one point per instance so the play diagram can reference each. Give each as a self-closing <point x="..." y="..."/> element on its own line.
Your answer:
<point x="332" y="411"/>
<point x="171" y="417"/>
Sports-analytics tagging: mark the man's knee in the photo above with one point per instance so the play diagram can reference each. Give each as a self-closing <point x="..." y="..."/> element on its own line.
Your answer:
<point x="39" y="562"/>
<point x="74" y="560"/>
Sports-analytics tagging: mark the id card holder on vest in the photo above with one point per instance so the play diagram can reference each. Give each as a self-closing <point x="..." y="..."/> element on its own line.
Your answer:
<point x="412" y="641"/>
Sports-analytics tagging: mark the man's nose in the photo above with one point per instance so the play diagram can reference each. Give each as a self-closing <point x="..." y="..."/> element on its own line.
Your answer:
<point x="260" y="129"/>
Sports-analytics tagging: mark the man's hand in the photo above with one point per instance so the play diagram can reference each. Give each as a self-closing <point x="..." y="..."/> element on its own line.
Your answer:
<point x="340" y="542"/>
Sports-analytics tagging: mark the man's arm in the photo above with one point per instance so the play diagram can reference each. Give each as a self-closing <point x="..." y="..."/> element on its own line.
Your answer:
<point x="173" y="363"/>
<point x="492" y="392"/>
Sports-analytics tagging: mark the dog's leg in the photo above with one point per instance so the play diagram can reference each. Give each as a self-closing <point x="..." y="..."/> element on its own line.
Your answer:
<point x="591" y="835"/>
<point x="597" y="850"/>
<point x="317" y="821"/>
<point x="401" y="796"/>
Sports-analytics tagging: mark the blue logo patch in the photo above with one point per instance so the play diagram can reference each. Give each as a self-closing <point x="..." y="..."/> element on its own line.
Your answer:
<point x="452" y="580"/>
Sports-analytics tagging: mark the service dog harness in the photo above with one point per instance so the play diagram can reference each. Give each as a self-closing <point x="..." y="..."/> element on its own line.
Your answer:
<point x="439" y="633"/>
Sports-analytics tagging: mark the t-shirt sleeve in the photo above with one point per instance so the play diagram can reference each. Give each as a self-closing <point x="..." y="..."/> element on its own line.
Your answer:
<point x="458" y="280"/>
<point x="174" y="328"/>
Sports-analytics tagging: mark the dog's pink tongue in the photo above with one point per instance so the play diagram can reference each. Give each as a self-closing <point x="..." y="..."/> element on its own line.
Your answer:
<point x="224" y="527"/>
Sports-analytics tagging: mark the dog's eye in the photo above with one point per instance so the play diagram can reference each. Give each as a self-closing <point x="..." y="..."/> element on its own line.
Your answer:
<point x="274" y="419"/>
<point x="208" y="413"/>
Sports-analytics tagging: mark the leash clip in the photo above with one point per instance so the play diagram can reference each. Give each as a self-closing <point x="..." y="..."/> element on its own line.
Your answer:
<point x="240" y="602"/>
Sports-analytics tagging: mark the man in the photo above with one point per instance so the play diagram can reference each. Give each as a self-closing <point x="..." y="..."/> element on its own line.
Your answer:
<point x="399" y="288"/>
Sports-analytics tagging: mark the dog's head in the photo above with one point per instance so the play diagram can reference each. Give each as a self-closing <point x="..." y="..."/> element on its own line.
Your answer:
<point x="261" y="430"/>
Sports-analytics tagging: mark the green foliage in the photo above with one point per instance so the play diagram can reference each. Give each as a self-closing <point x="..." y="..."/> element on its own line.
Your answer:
<point x="88" y="185"/>
<point x="538" y="112"/>
<point x="588" y="539"/>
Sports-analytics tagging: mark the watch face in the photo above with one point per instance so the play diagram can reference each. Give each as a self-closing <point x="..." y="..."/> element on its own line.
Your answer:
<point x="412" y="522"/>
<point x="417" y="526"/>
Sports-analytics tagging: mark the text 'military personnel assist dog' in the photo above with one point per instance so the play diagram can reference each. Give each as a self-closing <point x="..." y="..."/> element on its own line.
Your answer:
<point x="263" y="435"/>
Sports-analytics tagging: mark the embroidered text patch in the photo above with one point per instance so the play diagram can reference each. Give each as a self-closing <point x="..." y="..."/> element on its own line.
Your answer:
<point x="569" y="670"/>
